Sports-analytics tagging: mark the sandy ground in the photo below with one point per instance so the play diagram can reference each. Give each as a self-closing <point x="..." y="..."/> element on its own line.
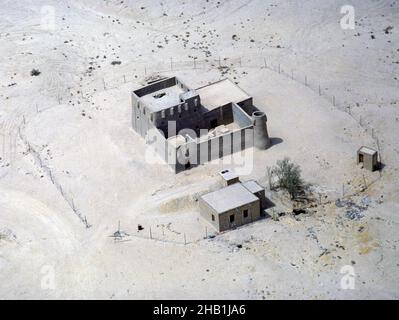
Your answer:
<point x="71" y="167"/>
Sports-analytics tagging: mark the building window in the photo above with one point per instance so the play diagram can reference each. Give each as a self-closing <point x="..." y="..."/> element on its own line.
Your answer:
<point x="245" y="213"/>
<point x="213" y="217"/>
<point x="232" y="218"/>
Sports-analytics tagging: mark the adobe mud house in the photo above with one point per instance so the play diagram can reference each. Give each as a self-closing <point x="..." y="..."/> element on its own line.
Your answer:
<point x="188" y="127"/>
<point x="236" y="204"/>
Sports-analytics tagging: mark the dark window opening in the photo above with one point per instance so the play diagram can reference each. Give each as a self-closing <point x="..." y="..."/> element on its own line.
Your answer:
<point x="232" y="218"/>
<point x="159" y="95"/>
<point x="245" y="213"/>
<point x="187" y="165"/>
<point x="214" y="123"/>
<point x="361" y="158"/>
<point x="213" y="217"/>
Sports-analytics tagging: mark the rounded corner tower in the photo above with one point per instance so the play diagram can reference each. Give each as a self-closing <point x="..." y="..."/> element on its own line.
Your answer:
<point x="261" y="137"/>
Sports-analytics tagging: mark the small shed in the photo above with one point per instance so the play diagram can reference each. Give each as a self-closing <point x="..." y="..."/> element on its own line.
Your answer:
<point x="368" y="157"/>
<point x="230" y="207"/>
<point x="257" y="190"/>
<point x="228" y="177"/>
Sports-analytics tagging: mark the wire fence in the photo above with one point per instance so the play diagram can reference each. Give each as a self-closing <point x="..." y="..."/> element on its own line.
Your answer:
<point x="138" y="69"/>
<point x="161" y="234"/>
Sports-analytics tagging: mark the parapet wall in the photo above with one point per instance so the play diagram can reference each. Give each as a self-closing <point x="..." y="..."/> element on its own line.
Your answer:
<point x="153" y="87"/>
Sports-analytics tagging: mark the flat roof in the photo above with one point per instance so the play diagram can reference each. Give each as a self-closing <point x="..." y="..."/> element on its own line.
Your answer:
<point x="228" y="175"/>
<point x="367" y="150"/>
<point x="253" y="186"/>
<point x="163" y="99"/>
<point x="221" y="93"/>
<point x="228" y="198"/>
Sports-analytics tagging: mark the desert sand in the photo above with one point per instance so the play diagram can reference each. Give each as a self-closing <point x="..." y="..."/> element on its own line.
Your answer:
<point x="72" y="168"/>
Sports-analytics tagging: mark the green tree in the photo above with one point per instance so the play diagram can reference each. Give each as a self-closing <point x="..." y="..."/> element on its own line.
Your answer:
<point x="289" y="177"/>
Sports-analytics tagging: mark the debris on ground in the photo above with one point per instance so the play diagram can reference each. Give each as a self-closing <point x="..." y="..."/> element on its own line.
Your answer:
<point x="7" y="235"/>
<point x="354" y="211"/>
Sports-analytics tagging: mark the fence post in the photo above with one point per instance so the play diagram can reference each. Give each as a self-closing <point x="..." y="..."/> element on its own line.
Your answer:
<point x="265" y="62"/>
<point x="150" y="234"/>
<point x="124" y="78"/>
<point x="104" y="84"/>
<point x="343" y="190"/>
<point x="334" y="101"/>
<point x="379" y="150"/>
<point x="185" y="240"/>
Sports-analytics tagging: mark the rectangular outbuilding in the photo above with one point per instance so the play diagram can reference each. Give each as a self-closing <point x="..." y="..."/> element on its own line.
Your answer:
<point x="368" y="157"/>
<point x="230" y="207"/>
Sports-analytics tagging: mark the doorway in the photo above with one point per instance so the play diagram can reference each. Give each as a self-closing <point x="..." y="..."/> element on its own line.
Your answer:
<point x="214" y="123"/>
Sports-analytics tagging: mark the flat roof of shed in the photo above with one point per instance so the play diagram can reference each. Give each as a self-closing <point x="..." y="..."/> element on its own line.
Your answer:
<point x="228" y="175"/>
<point x="231" y="197"/>
<point x="367" y="150"/>
<point x="221" y="93"/>
<point x="253" y="186"/>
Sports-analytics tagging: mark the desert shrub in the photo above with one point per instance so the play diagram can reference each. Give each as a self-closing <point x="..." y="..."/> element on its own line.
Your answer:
<point x="35" y="72"/>
<point x="288" y="176"/>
